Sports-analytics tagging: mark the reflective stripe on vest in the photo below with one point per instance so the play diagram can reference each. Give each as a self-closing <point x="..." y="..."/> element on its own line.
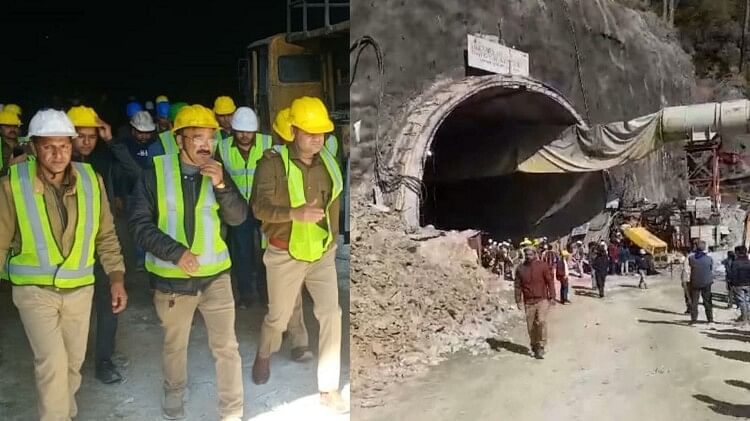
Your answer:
<point x="241" y="171"/>
<point x="168" y="142"/>
<point x="40" y="261"/>
<point x="332" y="144"/>
<point x="308" y="241"/>
<point x="207" y="242"/>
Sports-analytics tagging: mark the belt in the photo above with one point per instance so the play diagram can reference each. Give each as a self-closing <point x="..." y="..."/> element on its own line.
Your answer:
<point x="281" y="244"/>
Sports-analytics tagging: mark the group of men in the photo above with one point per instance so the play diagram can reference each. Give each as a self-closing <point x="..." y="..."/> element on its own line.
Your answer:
<point x="209" y="172"/>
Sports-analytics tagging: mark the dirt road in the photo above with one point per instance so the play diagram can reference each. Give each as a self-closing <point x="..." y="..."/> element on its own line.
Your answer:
<point x="629" y="356"/>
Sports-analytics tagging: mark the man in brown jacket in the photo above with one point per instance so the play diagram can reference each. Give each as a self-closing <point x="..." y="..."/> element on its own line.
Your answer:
<point x="535" y="286"/>
<point x="54" y="218"/>
<point x="296" y="197"/>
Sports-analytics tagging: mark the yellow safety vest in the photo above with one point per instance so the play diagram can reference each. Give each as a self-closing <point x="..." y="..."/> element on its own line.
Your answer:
<point x="308" y="241"/>
<point x="241" y="171"/>
<point x="40" y="261"/>
<point x="332" y="144"/>
<point x="208" y="245"/>
<point x="168" y="142"/>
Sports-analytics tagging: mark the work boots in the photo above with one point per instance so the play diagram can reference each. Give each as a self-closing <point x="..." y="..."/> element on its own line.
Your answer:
<point x="261" y="370"/>
<point x="173" y="407"/>
<point x="334" y="402"/>
<point x="301" y="354"/>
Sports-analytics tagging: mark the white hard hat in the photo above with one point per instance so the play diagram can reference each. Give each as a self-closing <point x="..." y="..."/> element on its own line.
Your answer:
<point x="149" y="105"/>
<point x="51" y="123"/>
<point x="143" y="122"/>
<point x="245" y="120"/>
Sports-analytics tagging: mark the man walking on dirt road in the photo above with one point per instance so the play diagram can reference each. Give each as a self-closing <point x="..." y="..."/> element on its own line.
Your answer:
<point x="536" y="287"/>
<point x="740" y="283"/>
<point x="701" y="278"/>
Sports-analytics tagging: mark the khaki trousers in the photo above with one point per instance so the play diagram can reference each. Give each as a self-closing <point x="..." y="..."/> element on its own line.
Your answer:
<point x="536" y="322"/>
<point x="216" y="304"/>
<point x="57" y="327"/>
<point x="286" y="276"/>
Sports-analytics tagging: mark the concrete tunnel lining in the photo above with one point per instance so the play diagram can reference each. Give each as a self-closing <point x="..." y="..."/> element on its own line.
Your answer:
<point x="502" y="120"/>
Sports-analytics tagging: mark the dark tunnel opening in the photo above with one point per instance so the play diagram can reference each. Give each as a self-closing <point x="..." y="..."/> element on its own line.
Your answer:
<point x="470" y="182"/>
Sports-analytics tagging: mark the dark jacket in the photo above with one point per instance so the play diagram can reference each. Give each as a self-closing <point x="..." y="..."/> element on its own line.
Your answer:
<point x="534" y="282"/>
<point x="601" y="263"/>
<point x="701" y="271"/>
<point x="740" y="272"/>
<point x="144" y="216"/>
<point x="103" y="159"/>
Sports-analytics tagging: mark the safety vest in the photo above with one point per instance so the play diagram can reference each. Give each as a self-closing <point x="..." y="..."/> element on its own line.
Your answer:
<point x="241" y="171"/>
<point x="332" y="144"/>
<point x="308" y="241"/>
<point x="207" y="242"/>
<point x="40" y="261"/>
<point x="168" y="142"/>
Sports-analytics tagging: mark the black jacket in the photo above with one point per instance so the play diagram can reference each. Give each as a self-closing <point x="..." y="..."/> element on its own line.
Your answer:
<point x="740" y="272"/>
<point x="144" y="216"/>
<point x="103" y="158"/>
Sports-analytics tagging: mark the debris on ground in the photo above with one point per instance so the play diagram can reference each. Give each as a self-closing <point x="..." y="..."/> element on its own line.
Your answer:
<point x="415" y="299"/>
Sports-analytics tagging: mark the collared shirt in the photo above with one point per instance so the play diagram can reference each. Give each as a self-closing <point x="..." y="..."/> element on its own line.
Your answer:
<point x="270" y="200"/>
<point x="62" y="211"/>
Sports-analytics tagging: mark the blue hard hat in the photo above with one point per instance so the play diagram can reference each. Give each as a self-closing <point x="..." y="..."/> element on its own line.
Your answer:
<point x="162" y="109"/>
<point x="133" y="107"/>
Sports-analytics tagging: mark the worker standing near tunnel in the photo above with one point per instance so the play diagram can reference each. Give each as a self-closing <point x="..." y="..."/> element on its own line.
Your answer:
<point x="11" y="148"/>
<point x="179" y="209"/>
<point x="535" y="287"/>
<point x="54" y="222"/>
<point x="296" y="196"/>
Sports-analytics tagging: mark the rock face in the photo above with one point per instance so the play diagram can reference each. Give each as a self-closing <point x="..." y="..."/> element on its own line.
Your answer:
<point x="408" y="310"/>
<point x="629" y="65"/>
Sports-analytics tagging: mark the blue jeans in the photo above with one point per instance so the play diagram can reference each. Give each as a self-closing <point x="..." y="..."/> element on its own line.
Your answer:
<point x="742" y="295"/>
<point x="245" y="249"/>
<point x="106" y="321"/>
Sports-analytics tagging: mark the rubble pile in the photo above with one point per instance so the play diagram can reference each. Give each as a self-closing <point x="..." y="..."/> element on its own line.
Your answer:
<point x="415" y="299"/>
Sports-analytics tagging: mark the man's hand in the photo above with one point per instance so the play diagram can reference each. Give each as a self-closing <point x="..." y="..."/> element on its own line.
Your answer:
<point x="518" y="306"/>
<point x="119" y="297"/>
<point x="104" y="130"/>
<point x="188" y="262"/>
<point x="17" y="159"/>
<point x="308" y="213"/>
<point x="214" y="170"/>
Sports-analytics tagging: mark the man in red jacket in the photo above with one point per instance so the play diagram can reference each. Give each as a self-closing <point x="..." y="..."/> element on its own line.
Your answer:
<point x="535" y="286"/>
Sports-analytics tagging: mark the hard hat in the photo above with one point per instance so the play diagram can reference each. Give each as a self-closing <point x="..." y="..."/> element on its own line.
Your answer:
<point x="281" y="125"/>
<point x="143" y="122"/>
<point x="195" y="116"/>
<point x="162" y="109"/>
<point x="149" y="105"/>
<point x="9" y="118"/>
<point x="132" y="108"/>
<point x="224" y="105"/>
<point x="174" y="109"/>
<point x="245" y="120"/>
<point x="83" y="116"/>
<point x="310" y="115"/>
<point x="13" y="108"/>
<point x="51" y="122"/>
<point x="161" y="98"/>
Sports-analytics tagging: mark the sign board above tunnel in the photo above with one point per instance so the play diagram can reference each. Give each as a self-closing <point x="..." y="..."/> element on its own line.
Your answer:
<point x="485" y="52"/>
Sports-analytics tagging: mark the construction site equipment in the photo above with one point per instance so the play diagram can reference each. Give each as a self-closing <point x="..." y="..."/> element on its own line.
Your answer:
<point x="51" y="123"/>
<point x="195" y="116"/>
<point x="310" y="115"/>
<point x="143" y="122"/>
<point x="12" y="108"/>
<point x="310" y="59"/>
<point x="8" y="118"/>
<point x="245" y="120"/>
<point x="281" y="125"/>
<point x="132" y="108"/>
<point x="224" y="105"/>
<point x="652" y="244"/>
<point x="83" y="116"/>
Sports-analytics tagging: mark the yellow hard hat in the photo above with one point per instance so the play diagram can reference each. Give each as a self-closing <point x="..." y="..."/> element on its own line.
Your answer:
<point x="310" y="115"/>
<point x="194" y="116"/>
<point x="224" y="105"/>
<point x="162" y="98"/>
<point x="83" y="116"/>
<point x="281" y="125"/>
<point x="8" y="118"/>
<point x="12" y="108"/>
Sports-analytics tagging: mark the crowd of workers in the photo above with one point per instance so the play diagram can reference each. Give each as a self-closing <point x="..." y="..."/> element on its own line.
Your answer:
<point x="209" y="202"/>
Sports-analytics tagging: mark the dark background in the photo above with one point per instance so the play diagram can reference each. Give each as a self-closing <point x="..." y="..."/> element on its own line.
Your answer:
<point x="102" y="54"/>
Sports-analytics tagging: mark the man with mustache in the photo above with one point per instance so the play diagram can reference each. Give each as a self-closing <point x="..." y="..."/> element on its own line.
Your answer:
<point x="54" y="220"/>
<point x="180" y="209"/>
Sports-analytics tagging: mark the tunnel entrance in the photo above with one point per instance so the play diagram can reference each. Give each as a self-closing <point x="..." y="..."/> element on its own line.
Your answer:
<point x="470" y="155"/>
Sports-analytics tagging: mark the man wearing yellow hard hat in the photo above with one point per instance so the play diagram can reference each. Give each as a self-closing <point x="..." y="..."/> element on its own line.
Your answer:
<point x="10" y="146"/>
<point x="224" y="109"/>
<point x="180" y="207"/>
<point x="101" y="156"/>
<point x="296" y="197"/>
<point x="54" y="223"/>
